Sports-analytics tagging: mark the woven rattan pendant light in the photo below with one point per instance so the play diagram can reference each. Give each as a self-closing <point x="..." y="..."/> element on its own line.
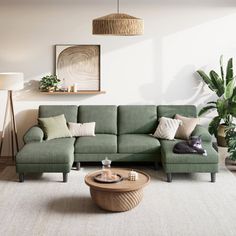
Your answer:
<point x="118" y="24"/>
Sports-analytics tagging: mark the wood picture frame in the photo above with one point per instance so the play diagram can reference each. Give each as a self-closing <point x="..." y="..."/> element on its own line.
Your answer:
<point x="79" y="64"/>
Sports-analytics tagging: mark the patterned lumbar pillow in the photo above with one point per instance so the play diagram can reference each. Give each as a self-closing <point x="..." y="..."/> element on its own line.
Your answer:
<point x="188" y="125"/>
<point x="167" y="128"/>
<point x="82" y="129"/>
<point x="55" y="127"/>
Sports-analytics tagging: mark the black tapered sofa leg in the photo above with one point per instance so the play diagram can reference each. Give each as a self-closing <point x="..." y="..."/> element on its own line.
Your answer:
<point x="65" y="177"/>
<point x="156" y="165"/>
<point x="213" y="177"/>
<point x="21" y="177"/>
<point x="169" y="177"/>
<point x="77" y="165"/>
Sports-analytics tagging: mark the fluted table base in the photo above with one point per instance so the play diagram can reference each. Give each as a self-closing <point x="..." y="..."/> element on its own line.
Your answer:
<point x="116" y="201"/>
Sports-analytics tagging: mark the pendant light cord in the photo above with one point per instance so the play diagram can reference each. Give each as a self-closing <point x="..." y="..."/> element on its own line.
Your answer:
<point x="118" y="6"/>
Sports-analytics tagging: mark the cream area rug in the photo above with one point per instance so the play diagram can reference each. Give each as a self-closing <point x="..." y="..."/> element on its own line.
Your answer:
<point x="189" y="206"/>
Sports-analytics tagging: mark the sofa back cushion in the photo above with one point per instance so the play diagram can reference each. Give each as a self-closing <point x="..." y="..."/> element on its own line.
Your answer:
<point x="104" y="116"/>
<point x="137" y="119"/>
<point x="171" y="110"/>
<point x="70" y="111"/>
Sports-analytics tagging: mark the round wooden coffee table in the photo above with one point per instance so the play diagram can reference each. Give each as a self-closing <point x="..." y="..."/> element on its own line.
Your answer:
<point x="121" y="196"/>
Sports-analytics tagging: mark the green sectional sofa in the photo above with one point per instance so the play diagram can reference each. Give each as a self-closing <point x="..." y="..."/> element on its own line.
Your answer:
<point x="187" y="163"/>
<point x="122" y="134"/>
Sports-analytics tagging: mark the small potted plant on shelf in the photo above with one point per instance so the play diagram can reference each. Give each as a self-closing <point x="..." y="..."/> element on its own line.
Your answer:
<point x="49" y="83"/>
<point x="224" y="87"/>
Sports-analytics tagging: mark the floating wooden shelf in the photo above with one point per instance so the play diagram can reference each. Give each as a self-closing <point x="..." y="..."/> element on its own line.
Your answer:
<point x="74" y="93"/>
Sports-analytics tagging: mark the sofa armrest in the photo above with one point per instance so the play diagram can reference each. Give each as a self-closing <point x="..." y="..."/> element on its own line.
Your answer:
<point x="34" y="134"/>
<point x="203" y="132"/>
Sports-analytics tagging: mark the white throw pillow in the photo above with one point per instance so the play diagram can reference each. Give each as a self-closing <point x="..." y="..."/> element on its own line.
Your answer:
<point x="82" y="129"/>
<point x="167" y="128"/>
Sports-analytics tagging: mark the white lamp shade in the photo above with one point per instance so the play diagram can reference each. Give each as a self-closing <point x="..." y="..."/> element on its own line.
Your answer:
<point x="11" y="81"/>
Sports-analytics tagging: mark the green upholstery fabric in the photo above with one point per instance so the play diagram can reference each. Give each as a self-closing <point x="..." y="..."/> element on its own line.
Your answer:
<point x="101" y="143"/>
<point x="70" y="112"/>
<point x="119" y="157"/>
<point x="137" y="119"/>
<point x="56" y="151"/>
<point x="171" y="110"/>
<point x="40" y="168"/>
<point x="190" y="168"/>
<point x="104" y="116"/>
<point x="138" y="143"/>
<point x="34" y="134"/>
<point x="169" y="157"/>
<point x="205" y="135"/>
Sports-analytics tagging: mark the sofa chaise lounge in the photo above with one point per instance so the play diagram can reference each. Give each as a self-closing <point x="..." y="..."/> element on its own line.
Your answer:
<point x="122" y="134"/>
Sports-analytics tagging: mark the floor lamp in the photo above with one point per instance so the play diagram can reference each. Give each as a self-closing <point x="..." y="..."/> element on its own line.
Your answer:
<point x="10" y="82"/>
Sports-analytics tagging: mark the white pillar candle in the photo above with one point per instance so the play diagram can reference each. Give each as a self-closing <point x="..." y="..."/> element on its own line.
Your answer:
<point x="133" y="175"/>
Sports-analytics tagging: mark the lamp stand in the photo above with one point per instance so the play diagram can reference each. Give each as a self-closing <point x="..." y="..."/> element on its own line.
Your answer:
<point x="13" y="132"/>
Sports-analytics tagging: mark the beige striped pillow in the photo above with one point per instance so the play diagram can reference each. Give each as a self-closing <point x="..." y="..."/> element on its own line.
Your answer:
<point x="167" y="128"/>
<point x="82" y="129"/>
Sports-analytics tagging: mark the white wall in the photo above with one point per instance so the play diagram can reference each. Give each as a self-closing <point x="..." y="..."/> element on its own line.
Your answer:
<point x="156" y="68"/>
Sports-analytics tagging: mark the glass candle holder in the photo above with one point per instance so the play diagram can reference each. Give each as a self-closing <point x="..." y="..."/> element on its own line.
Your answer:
<point x="106" y="169"/>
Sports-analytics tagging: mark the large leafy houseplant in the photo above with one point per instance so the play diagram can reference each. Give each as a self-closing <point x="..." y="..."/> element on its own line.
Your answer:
<point x="231" y="141"/>
<point x="223" y="86"/>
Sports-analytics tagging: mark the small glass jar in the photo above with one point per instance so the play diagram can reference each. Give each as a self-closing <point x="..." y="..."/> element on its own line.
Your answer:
<point x="106" y="169"/>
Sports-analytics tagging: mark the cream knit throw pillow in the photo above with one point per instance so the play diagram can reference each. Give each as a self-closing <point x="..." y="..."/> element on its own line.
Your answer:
<point x="167" y="128"/>
<point x="82" y="129"/>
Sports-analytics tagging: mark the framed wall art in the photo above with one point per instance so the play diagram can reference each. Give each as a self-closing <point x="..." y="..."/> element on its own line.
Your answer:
<point x="79" y="65"/>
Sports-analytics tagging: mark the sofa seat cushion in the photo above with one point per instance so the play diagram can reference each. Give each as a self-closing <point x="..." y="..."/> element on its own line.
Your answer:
<point x="168" y="156"/>
<point x="56" y="151"/>
<point x="101" y="143"/>
<point x="138" y="143"/>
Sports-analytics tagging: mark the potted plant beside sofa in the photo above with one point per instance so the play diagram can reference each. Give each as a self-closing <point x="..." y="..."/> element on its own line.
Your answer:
<point x="231" y="143"/>
<point x="224" y="87"/>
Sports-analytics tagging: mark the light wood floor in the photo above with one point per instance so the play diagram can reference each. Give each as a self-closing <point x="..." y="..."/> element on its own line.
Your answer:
<point x="5" y="162"/>
<point x="231" y="165"/>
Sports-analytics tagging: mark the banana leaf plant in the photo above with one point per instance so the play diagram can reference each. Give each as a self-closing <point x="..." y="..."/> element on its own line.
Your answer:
<point x="231" y="141"/>
<point x="223" y="85"/>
